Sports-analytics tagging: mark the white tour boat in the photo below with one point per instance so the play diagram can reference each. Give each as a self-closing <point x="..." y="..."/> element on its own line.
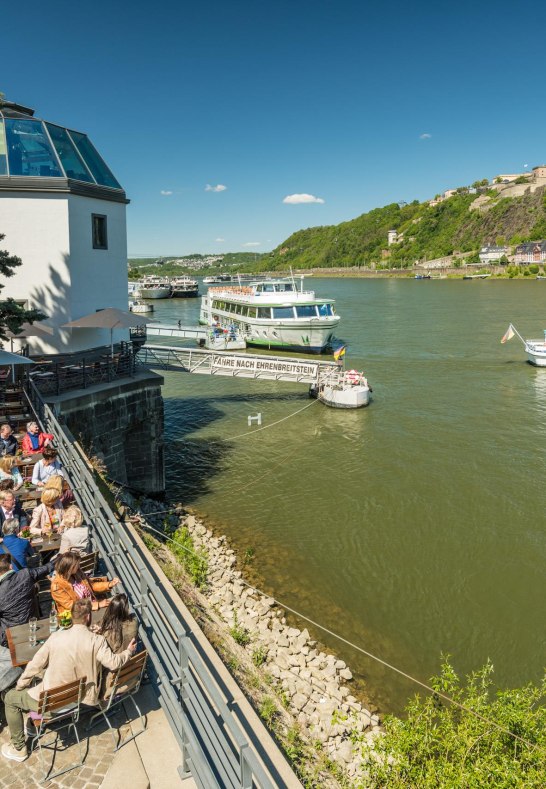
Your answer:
<point x="272" y="314"/>
<point x="217" y="279"/>
<point x="152" y="287"/>
<point x="184" y="287"/>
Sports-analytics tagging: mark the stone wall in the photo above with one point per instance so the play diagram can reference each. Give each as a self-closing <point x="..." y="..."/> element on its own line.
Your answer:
<point x="122" y="424"/>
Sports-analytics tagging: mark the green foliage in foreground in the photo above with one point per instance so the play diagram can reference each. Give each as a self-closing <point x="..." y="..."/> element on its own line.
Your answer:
<point x="12" y="314"/>
<point x="194" y="561"/>
<point x="440" y="745"/>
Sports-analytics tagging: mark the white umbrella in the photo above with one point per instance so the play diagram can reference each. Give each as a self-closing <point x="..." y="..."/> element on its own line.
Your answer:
<point x="110" y="318"/>
<point x="30" y="330"/>
<point x="11" y="359"/>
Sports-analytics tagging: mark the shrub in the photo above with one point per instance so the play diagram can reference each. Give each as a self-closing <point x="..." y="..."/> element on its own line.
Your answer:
<point x="440" y="745"/>
<point x="194" y="561"/>
<point x="239" y="633"/>
<point x="534" y="268"/>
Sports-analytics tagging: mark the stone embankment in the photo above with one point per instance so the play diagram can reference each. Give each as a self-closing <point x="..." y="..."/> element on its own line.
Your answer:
<point x="313" y="685"/>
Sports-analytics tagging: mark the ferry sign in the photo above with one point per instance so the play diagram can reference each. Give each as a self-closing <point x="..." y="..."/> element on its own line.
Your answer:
<point x="257" y="365"/>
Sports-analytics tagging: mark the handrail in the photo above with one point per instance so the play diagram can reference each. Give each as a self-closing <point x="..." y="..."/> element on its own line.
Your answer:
<point x="215" y="747"/>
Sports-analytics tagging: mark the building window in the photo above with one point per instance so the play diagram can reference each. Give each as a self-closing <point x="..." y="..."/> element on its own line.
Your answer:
<point x="99" y="229"/>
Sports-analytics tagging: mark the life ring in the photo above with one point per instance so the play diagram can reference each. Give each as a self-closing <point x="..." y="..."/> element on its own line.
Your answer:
<point x="353" y="376"/>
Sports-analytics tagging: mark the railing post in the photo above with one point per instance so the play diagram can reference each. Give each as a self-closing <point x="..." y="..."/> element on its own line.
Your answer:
<point x="84" y="373"/>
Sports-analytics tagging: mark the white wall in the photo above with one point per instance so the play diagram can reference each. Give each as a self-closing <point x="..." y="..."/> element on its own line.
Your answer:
<point x="61" y="273"/>
<point x="99" y="276"/>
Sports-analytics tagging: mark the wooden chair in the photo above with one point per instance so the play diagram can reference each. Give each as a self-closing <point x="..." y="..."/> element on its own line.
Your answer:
<point x="126" y="684"/>
<point x="88" y="562"/>
<point x="58" y="709"/>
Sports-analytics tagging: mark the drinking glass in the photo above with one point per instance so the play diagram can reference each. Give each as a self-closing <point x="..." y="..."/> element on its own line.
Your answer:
<point x="32" y="625"/>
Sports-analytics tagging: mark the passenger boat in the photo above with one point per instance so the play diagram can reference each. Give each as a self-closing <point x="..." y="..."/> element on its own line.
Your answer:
<point x="272" y="314"/>
<point x="152" y="287"/>
<point x="347" y="389"/>
<point x="184" y="287"/>
<point x="217" y="279"/>
<point x="140" y="307"/>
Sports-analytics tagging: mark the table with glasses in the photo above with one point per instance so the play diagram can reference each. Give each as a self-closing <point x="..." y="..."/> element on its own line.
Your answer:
<point x="22" y="647"/>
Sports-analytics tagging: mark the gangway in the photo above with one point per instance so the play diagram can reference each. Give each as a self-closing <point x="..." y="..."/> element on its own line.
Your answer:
<point x="238" y="365"/>
<point x="176" y="330"/>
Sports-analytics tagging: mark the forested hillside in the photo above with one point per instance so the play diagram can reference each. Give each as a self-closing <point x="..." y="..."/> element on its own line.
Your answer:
<point x="428" y="232"/>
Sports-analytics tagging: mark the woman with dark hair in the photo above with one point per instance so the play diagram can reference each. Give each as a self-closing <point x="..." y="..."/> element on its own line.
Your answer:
<point x="70" y="584"/>
<point x="119" y="627"/>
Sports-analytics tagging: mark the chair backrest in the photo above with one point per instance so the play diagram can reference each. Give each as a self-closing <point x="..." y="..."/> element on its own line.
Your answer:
<point x="62" y="696"/>
<point x="127" y="679"/>
<point x="88" y="562"/>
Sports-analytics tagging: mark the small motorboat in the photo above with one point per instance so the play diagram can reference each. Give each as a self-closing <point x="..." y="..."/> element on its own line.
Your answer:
<point x="140" y="307"/>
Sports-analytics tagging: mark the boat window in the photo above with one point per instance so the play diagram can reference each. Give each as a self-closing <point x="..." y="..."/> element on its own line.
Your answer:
<point x="238" y="309"/>
<point x="325" y="310"/>
<point x="306" y="311"/>
<point x="285" y="286"/>
<point x="29" y="150"/>
<point x="283" y="312"/>
<point x="268" y="288"/>
<point x="252" y="312"/>
<point x="264" y="312"/>
<point x="244" y="310"/>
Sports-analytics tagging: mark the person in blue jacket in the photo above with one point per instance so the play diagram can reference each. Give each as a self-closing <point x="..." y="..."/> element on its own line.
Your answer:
<point x="19" y="548"/>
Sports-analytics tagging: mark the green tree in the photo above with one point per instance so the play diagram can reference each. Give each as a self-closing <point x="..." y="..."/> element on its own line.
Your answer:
<point x="13" y="315"/>
<point x="439" y="744"/>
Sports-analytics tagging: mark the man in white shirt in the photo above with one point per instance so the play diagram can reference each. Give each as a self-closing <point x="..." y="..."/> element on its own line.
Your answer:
<point x="48" y="467"/>
<point x="66" y="655"/>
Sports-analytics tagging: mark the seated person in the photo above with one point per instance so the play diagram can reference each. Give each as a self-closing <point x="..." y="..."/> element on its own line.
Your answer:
<point x="18" y="548"/>
<point x="11" y="508"/>
<point x="75" y="534"/>
<point x="47" y="516"/>
<point x="61" y="485"/>
<point x="70" y="584"/>
<point x="47" y="467"/>
<point x="10" y="470"/>
<point x="17" y="593"/>
<point x="65" y="656"/>
<point x="34" y="440"/>
<point x="8" y="442"/>
<point x="119" y="627"/>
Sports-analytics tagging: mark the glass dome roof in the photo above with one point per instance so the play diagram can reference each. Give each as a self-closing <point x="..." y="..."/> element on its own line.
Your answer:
<point x="37" y="148"/>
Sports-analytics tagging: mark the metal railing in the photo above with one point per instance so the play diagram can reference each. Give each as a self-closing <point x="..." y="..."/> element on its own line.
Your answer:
<point x="55" y="375"/>
<point x="215" y="747"/>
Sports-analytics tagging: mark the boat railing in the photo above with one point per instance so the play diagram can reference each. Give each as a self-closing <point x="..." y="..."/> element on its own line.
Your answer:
<point x="242" y="293"/>
<point x="541" y="342"/>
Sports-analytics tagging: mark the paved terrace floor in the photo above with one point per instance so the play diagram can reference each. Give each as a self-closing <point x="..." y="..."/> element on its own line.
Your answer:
<point x="150" y="761"/>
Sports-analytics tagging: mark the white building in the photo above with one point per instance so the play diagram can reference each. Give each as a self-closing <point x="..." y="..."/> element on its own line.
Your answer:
<point x="63" y="213"/>
<point x="492" y="254"/>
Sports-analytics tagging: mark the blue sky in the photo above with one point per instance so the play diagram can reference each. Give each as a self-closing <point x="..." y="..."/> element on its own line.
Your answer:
<point x="272" y="99"/>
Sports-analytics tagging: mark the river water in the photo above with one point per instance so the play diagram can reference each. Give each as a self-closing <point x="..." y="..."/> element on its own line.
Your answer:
<point x="412" y="527"/>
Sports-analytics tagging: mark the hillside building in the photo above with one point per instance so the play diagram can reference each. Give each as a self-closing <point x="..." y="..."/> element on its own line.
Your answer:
<point x="492" y="254"/>
<point x="531" y="252"/>
<point x="63" y="213"/>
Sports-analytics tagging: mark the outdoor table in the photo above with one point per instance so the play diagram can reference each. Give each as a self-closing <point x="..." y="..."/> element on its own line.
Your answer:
<point x="17" y="637"/>
<point x="29" y="494"/>
<point x="46" y="545"/>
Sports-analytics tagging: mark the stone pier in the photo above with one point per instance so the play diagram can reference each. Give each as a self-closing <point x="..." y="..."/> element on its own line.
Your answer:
<point x="121" y="423"/>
